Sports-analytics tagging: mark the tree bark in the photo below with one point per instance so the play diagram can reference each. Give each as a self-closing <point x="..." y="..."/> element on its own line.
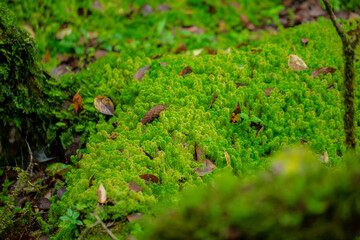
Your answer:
<point x="349" y="47"/>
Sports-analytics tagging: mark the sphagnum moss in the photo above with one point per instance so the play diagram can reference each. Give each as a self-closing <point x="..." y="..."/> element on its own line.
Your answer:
<point x="298" y="107"/>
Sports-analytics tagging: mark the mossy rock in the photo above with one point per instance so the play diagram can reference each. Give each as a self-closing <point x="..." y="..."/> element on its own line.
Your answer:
<point x="24" y="104"/>
<point x="298" y="107"/>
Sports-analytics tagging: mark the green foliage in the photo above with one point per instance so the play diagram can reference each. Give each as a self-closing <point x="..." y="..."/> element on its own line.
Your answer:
<point x="299" y="107"/>
<point x="310" y="202"/>
<point x="129" y="29"/>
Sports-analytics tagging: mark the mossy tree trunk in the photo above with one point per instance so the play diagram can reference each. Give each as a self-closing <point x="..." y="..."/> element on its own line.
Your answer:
<point x="349" y="47"/>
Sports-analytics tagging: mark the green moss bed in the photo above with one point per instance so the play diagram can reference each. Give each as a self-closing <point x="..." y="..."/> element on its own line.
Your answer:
<point x="120" y="148"/>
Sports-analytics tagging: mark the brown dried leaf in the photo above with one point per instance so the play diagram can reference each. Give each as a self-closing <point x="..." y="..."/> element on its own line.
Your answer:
<point x="222" y="26"/>
<point x="268" y="91"/>
<point x="113" y="136"/>
<point x="140" y="73"/>
<point x="153" y="113"/>
<point x="42" y="203"/>
<point x="163" y="64"/>
<point x="156" y="56"/>
<point x="78" y="105"/>
<point x="72" y="148"/>
<point x="63" y="57"/>
<point x="101" y="193"/>
<point x="163" y="8"/>
<point x="150" y="178"/>
<point x="146" y="10"/>
<point x="324" y="158"/>
<point x="305" y="41"/>
<point x="303" y="141"/>
<point x="186" y="70"/>
<point x="259" y="132"/>
<point x="198" y="153"/>
<point x="213" y="100"/>
<point x="296" y="63"/>
<point x="323" y="71"/>
<point x="208" y="168"/>
<point x="227" y="156"/>
<point x="135" y="187"/>
<point x="193" y="29"/>
<point x="104" y="105"/>
<point x="61" y="192"/>
<point x="100" y="53"/>
<point x="47" y="56"/>
<point x="91" y="180"/>
<point x="240" y="85"/>
<point x="234" y="115"/>
<point x="63" y="33"/>
<point x="133" y="217"/>
<point x="182" y="48"/>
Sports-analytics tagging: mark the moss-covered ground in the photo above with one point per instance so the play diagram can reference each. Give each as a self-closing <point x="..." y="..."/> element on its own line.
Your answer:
<point x="298" y="107"/>
<point x="197" y="137"/>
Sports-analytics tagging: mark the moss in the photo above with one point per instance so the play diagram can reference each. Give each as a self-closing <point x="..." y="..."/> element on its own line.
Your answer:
<point x="23" y="94"/>
<point x="315" y="203"/>
<point x="299" y="107"/>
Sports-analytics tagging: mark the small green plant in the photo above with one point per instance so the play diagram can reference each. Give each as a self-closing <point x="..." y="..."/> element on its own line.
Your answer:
<point x="71" y="218"/>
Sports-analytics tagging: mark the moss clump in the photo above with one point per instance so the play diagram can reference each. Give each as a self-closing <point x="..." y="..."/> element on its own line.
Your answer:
<point x="311" y="202"/>
<point x="24" y="102"/>
<point x="298" y="107"/>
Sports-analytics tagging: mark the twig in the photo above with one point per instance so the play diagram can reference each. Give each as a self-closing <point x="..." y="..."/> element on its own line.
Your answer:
<point x="87" y="229"/>
<point x="30" y="167"/>
<point x="335" y="22"/>
<point x="95" y="224"/>
<point x="104" y="226"/>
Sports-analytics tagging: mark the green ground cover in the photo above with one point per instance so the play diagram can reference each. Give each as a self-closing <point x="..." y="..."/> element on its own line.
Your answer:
<point x="298" y="107"/>
<point x="279" y="108"/>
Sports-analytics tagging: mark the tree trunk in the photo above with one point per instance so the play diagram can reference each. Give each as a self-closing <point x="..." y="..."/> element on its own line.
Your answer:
<point x="349" y="97"/>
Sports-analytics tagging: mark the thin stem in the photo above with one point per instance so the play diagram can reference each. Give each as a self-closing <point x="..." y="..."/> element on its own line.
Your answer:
<point x="335" y="22"/>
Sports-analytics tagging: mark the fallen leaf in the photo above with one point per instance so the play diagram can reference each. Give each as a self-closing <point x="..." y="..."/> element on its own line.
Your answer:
<point x="323" y="71"/>
<point x="146" y="10"/>
<point x="213" y="100"/>
<point x="240" y="85"/>
<point x="91" y="180"/>
<point x="61" y="192"/>
<point x="63" y="33"/>
<point x="97" y="6"/>
<point x="245" y="20"/>
<point x="78" y="105"/>
<point x="331" y="87"/>
<point x="228" y="162"/>
<point x="304" y="41"/>
<point x="135" y="187"/>
<point x="163" y="8"/>
<point x="296" y="63"/>
<point x="29" y="29"/>
<point x="104" y="105"/>
<point x="56" y="169"/>
<point x="208" y="168"/>
<point x="113" y="136"/>
<point x="100" y="53"/>
<point x="63" y="57"/>
<point x="235" y="114"/>
<point x="133" y="217"/>
<point x="156" y="56"/>
<point x="101" y="193"/>
<point x="46" y="57"/>
<point x="163" y="64"/>
<point x="193" y="29"/>
<point x="182" y="48"/>
<point x="50" y="193"/>
<point x="60" y="70"/>
<point x="259" y="132"/>
<point x="303" y="141"/>
<point x="198" y="153"/>
<point x="186" y="70"/>
<point x="268" y="91"/>
<point x="150" y="178"/>
<point x="222" y="26"/>
<point x="140" y="73"/>
<point x="324" y="158"/>
<point x="153" y="113"/>
<point x="42" y="203"/>
<point x="72" y="148"/>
